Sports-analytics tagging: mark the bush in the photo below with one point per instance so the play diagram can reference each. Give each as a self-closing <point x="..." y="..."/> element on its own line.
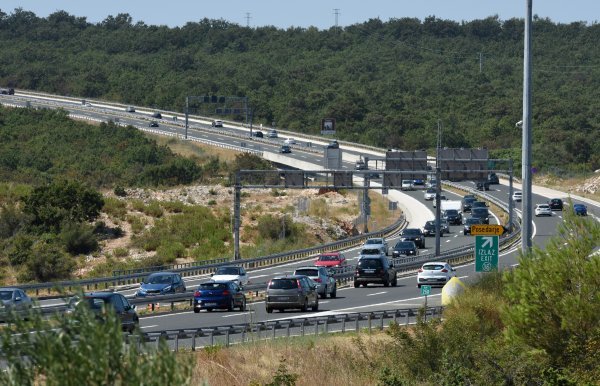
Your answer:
<point x="120" y="191"/>
<point x="121" y="252"/>
<point x="78" y="238"/>
<point x="115" y="208"/>
<point x="48" y="262"/>
<point x="171" y="251"/>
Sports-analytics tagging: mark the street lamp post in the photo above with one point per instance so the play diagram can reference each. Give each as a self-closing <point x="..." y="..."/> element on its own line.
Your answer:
<point x="526" y="231"/>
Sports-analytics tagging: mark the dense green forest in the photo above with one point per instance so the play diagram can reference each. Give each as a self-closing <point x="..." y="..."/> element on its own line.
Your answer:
<point x="386" y="83"/>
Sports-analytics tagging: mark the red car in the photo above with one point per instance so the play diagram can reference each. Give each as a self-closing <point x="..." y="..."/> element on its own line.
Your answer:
<point x="330" y="259"/>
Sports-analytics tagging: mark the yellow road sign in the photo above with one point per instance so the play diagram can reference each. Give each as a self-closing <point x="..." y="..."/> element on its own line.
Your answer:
<point x="487" y="230"/>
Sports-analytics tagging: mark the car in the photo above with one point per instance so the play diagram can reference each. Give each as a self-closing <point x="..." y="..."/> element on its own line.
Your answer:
<point x="482" y="213"/>
<point x="542" y="210"/>
<point x="470" y="221"/>
<point x="429" y="229"/>
<point x="478" y="204"/>
<point x="14" y="302"/>
<point x="432" y="183"/>
<point x="98" y="302"/>
<point x="482" y="185"/>
<point x="231" y="273"/>
<point x="442" y="198"/>
<point x="219" y="294"/>
<point x="418" y="183"/>
<point x="413" y="234"/>
<point x="326" y="284"/>
<point x="130" y="109"/>
<point x="407" y="185"/>
<point x="360" y="165"/>
<point x="153" y="124"/>
<point x="156" y="115"/>
<point x="290" y="141"/>
<point x="517" y="196"/>
<point x="493" y="179"/>
<point x="333" y="145"/>
<point x="285" y="292"/>
<point x="467" y="202"/>
<point x="453" y="216"/>
<point x="377" y="241"/>
<point x="405" y="248"/>
<point x="330" y="260"/>
<point x="435" y="273"/>
<point x="217" y="123"/>
<point x="445" y="226"/>
<point x="580" y="209"/>
<point x="258" y="134"/>
<point x="556" y="204"/>
<point x="429" y="194"/>
<point x="376" y="269"/>
<point x="371" y="251"/>
<point x="273" y="134"/>
<point x="161" y="283"/>
<point x="285" y="149"/>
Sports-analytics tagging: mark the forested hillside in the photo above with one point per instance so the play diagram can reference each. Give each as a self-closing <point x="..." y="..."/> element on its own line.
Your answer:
<point x="386" y="83"/>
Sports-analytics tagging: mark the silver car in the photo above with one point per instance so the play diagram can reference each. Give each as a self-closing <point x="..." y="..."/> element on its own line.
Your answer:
<point x="14" y="300"/>
<point x="326" y="284"/>
<point x="377" y="242"/>
<point x="296" y="291"/>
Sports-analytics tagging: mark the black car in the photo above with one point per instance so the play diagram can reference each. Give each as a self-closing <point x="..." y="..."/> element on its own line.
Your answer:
<point x="468" y="222"/>
<point x="467" y="202"/>
<point x="377" y="269"/>
<point x="478" y="204"/>
<point x="453" y="216"/>
<point x="413" y="234"/>
<point x="493" y="179"/>
<point x="258" y="134"/>
<point x="482" y="213"/>
<point x="157" y="115"/>
<point x="483" y="185"/>
<point x="97" y="302"/>
<point x="153" y="124"/>
<point x="405" y="248"/>
<point x="333" y="145"/>
<point x="556" y="204"/>
<point x="285" y="149"/>
<point x="429" y="229"/>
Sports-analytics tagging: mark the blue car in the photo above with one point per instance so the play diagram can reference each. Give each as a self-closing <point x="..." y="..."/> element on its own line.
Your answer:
<point x="161" y="283"/>
<point x="219" y="295"/>
<point x="580" y="209"/>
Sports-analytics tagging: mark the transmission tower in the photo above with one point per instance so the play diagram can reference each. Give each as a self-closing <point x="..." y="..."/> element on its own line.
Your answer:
<point x="336" y="12"/>
<point x="248" y="19"/>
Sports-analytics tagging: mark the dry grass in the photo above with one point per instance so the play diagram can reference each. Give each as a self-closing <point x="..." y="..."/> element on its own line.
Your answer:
<point x="325" y="360"/>
<point x="196" y="149"/>
<point x="568" y="185"/>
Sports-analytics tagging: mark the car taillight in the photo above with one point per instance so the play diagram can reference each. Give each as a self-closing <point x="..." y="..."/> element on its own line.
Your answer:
<point x="198" y="293"/>
<point x="226" y="292"/>
<point x="299" y="285"/>
<point x="318" y="280"/>
<point x="444" y="270"/>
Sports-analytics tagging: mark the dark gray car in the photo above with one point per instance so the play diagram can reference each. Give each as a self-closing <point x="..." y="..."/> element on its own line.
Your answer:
<point x="320" y="275"/>
<point x="296" y="291"/>
<point x="14" y="300"/>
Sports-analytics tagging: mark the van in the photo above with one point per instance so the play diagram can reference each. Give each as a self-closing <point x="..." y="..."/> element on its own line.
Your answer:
<point x="130" y="109"/>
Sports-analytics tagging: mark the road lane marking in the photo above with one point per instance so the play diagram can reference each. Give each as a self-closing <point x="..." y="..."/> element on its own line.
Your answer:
<point x="243" y="313"/>
<point x="377" y="293"/>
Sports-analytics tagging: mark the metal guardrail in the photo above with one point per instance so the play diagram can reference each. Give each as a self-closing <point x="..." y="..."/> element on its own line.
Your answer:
<point x="166" y="267"/>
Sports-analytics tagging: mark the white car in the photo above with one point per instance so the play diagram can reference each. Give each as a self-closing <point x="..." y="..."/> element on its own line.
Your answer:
<point x="407" y="185"/>
<point x="517" y="196"/>
<point x="543" y="210"/>
<point x="377" y="242"/>
<point x="442" y="198"/>
<point x="231" y="273"/>
<point x="435" y="273"/>
<point x="290" y="141"/>
<point x="217" y="123"/>
<point x="429" y="194"/>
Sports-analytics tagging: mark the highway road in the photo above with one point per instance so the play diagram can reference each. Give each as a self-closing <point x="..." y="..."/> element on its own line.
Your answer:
<point x="352" y="299"/>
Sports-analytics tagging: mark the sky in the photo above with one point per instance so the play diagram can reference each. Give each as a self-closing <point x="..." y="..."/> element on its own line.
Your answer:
<point x="305" y="13"/>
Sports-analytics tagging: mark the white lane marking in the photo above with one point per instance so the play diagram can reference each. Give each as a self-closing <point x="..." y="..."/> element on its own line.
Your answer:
<point x="377" y="293"/>
<point x="230" y="315"/>
<point x="154" y="325"/>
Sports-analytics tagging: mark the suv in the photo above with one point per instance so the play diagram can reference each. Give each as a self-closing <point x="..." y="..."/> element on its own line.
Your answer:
<point x="374" y="270"/>
<point x="98" y="301"/>
<point x="556" y="204"/>
<point x="377" y="242"/>
<point x="453" y="216"/>
<point x="468" y="222"/>
<point x="297" y="291"/>
<point x="482" y="213"/>
<point x="371" y="252"/>
<point x="429" y="228"/>
<point x="492" y="179"/>
<point x="467" y="202"/>
<point x="407" y="185"/>
<point x="413" y="234"/>
<point x="483" y="185"/>
<point x="325" y="281"/>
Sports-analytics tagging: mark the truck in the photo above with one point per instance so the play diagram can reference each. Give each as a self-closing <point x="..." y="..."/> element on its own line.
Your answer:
<point x="451" y="211"/>
<point x="450" y="204"/>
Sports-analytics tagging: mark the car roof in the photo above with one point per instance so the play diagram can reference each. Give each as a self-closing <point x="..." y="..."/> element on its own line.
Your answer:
<point x="162" y="273"/>
<point x="436" y="262"/>
<point x="102" y="295"/>
<point x="290" y="276"/>
<point x="330" y="254"/>
<point x="10" y="289"/>
<point x="219" y="281"/>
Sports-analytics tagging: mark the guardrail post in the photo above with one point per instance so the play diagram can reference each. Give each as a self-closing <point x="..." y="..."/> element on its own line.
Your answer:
<point x="302" y="327"/>
<point x="344" y="324"/>
<point x="327" y="326"/>
<point x="370" y="319"/>
<point x="317" y="327"/>
<point x="273" y="331"/>
<point x="177" y="342"/>
<point x="194" y="340"/>
<point x="287" y="332"/>
<point x="212" y="337"/>
<point x="381" y="321"/>
<point x="227" y="337"/>
<point x="357" y="318"/>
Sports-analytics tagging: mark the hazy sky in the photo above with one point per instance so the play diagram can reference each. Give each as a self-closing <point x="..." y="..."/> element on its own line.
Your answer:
<point x="305" y="13"/>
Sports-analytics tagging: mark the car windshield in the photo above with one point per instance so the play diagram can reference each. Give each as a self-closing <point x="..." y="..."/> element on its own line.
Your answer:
<point x="407" y="182"/>
<point x="480" y="211"/>
<point x="6" y="295"/>
<point x="374" y="241"/>
<point x="213" y="286"/>
<point x="307" y="272"/>
<point x="452" y="212"/>
<point x="228" y="271"/>
<point x="433" y="267"/>
<point x="369" y="263"/>
<point x="469" y="200"/>
<point x="544" y="206"/>
<point x="478" y="204"/>
<point x="471" y="221"/>
<point x="370" y="252"/>
<point x="328" y="258"/>
<point x="160" y="279"/>
<point x="405" y="244"/>
<point x="283" y="284"/>
<point x="430" y="190"/>
<point x="430" y="224"/>
<point x="411" y="231"/>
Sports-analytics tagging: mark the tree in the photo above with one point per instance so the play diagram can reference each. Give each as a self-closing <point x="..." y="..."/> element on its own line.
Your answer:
<point x="62" y="201"/>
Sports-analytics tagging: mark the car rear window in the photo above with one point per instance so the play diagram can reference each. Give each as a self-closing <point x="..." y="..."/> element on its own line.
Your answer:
<point x="307" y="272"/>
<point x="95" y="303"/>
<point x="480" y="211"/>
<point x="328" y="258"/>
<point x="369" y="263"/>
<point x="283" y="284"/>
<point x="433" y="267"/>
<point x="213" y="286"/>
<point x="370" y="252"/>
<point x="6" y="295"/>
<point x="410" y="232"/>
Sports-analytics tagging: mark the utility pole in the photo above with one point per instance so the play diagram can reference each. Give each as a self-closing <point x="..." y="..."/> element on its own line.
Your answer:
<point x="237" y="195"/>
<point x="480" y="62"/>
<point x="336" y="12"/>
<point x="526" y="231"/>
<point x="438" y="190"/>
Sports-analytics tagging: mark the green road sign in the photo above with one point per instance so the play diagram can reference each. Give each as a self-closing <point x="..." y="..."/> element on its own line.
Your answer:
<point x="425" y="290"/>
<point x="486" y="253"/>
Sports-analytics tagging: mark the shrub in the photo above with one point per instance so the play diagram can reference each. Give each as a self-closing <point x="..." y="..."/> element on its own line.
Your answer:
<point x="121" y="252"/>
<point x="171" y="251"/>
<point x="173" y="206"/>
<point x="115" y="208"/>
<point x="78" y="238"/>
<point x="212" y="202"/>
<point x="48" y="262"/>
<point x="120" y="191"/>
